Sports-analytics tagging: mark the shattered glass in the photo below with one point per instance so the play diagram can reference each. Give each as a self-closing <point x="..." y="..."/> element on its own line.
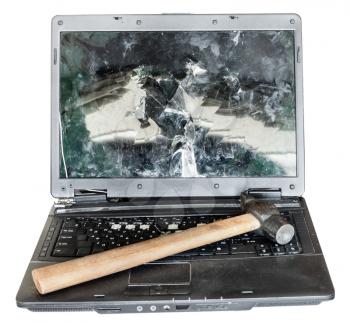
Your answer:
<point x="177" y="104"/>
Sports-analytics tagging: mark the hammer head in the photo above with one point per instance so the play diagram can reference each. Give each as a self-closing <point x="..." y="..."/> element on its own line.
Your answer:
<point x="275" y="227"/>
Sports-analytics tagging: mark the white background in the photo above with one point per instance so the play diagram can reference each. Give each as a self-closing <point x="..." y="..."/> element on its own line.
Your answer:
<point x="25" y="139"/>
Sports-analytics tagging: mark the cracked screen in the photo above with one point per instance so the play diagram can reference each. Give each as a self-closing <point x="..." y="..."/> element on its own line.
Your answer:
<point x="177" y="104"/>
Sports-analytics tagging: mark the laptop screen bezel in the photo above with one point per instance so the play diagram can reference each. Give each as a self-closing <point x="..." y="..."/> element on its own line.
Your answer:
<point x="172" y="187"/>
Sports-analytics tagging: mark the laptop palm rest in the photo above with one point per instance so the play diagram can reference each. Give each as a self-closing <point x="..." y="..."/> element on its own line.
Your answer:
<point x="160" y="279"/>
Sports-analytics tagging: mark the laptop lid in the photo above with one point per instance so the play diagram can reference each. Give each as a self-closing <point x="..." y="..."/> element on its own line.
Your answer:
<point x="176" y="105"/>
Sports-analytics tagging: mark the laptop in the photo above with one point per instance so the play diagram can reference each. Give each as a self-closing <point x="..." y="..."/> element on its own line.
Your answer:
<point x="159" y="122"/>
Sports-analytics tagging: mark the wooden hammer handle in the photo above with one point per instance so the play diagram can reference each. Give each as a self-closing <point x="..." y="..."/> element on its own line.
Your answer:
<point x="61" y="275"/>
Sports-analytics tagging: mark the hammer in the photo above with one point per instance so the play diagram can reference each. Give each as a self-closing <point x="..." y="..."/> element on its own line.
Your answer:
<point x="258" y="214"/>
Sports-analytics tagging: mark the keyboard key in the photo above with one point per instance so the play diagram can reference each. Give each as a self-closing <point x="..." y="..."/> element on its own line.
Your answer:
<point x="278" y="250"/>
<point x="83" y="252"/>
<point x="112" y="244"/>
<point x="84" y="244"/>
<point x="173" y="226"/>
<point x="221" y="247"/>
<point x="293" y="243"/>
<point x="206" y="250"/>
<point x="67" y="244"/>
<point x="291" y="249"/>
<point x="245" y="237"/>
<point x="66" y="237"/>
<point x="236" y="240"/>
<point x="102" y="244"/>
<point x="263" y="251"/>
<point x="221" y="250"/>
<point x="69" y="230"/>
<point x="69" y="224"/>
<point x="63" y="252"/>
<point x="81" y="237"/>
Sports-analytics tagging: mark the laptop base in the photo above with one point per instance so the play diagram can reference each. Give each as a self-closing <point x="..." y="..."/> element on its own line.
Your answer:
<point x="209" y="283"/>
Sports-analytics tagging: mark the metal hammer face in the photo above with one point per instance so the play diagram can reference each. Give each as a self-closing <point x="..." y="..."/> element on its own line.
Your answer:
<point x="272" y="223"/>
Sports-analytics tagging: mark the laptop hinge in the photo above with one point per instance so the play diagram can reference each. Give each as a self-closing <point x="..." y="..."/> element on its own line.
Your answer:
<point x="64" y="202"/>
<point x="83" y="196"/>
<point x="266" y="193"/>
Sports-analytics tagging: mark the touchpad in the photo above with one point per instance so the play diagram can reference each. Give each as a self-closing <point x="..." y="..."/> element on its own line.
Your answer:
<point x="160" y="279"/>
<point x="161" y="274"/>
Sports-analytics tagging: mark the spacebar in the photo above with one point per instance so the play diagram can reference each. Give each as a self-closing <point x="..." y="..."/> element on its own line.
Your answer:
<point x="237" y="249"/>
<point x="63" y="252"/>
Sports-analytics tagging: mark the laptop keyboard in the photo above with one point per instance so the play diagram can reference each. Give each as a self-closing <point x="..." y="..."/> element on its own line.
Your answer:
<point x="81" y="236"/>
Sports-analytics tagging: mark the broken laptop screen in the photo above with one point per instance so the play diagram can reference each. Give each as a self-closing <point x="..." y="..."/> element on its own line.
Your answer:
<point x="177" y="104"/>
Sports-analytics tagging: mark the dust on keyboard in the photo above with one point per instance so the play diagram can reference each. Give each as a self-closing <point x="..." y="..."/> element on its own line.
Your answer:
<point x="81" y="236"/>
